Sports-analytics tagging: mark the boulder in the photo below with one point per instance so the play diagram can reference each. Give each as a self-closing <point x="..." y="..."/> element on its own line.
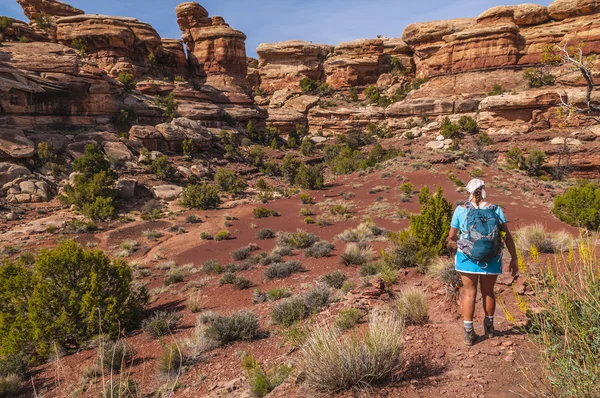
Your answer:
<point x="58" y="142"/>
<point x="77" y="149"/>
<point x="562" y="140"/>
<point x="302" y="103"/>
<point x="149" y="136"/>
<point x="117" y="151"/>
<point x="359" y="62"/>
<point x="26" y="191"/>
<point x="420" y="107"/>
<point x="435" y="145"/>
<point x="497" y="14"/>
<point x="125" y="188"/>
<point x="10" y="171"/>
<point x="531" y="14"/>
<point x="280" y="96"/>
<point x="166" y="192"/>
<point x="15" y="144"/>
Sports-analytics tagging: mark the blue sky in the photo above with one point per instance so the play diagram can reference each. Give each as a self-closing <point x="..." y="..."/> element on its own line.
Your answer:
<point x="265" y="21"/>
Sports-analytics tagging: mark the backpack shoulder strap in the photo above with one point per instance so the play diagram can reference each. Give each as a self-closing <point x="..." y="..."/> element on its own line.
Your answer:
<point x="469" y="205"/>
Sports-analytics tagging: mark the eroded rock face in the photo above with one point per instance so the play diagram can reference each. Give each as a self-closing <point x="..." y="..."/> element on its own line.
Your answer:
<point x="216" y="51"/>
<point x="282" y="65"/>
<point x="117" y="44"/>
<point x="562" y="9"/>
<point x="14" y="144"/>
<point x="35" y="9"/>
<point x="10" y="171"/>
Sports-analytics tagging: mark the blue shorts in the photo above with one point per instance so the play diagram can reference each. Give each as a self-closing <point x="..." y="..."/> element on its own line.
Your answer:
<point x="466" y="265"/>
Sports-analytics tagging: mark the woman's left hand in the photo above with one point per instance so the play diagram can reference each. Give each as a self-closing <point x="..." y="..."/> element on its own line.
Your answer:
<point x="514" y="268"/>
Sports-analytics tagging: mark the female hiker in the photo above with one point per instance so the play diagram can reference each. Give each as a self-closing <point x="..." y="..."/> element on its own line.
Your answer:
<point x="479" y="254"/>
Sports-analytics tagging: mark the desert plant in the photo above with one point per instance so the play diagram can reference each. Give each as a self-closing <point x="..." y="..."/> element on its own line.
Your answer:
<point x="535" y="236"/>
<point x="334" y="279"/>
<point x="263" y="382"/>
<point x="537" y="77"/>
<point x="162" y="168"/>
<point x="289" y="311"/>
<point x="115" y="355"/>
<point x="348" y="318"/>
<point x="306" y="199"/>
<point x="239" y="326"/>
<point x="222" y="235"/>
<point x="319" y="249"/>
<point x="309" y="177"/>
<point x="206" y="236"/>
<point x="193" y="219"/>
<point x="161" y="324"/>
<point x="333" y="362"/>
<point x="121" y="388"/>
<point x="357" y="254"/>
<point x="277" y="294"/>
<point x="432" y="225"/>
<point x="406" y="252"/>
<point x="411" y="305"/>
<point x="579" y="206"/>
<point x="187" y="147"/>
<point x="212" y="267"/>
<point x="58" y="309"/>
<point x="241" y="254"/>
<point x="283" y="270"/>
<point x="566" y="327"/>
<point x="408" y="188"/>
<point x="169" y="106"/>
<point x="227" y="181"/>
<point x="79" y="45"/>
<point x="171" y="360"/>
<point x="255" y="156"/>
<point x="152" y="234"/>
<point x="307" y="147"/>
<point x="289" y="167"/>
<point x="297" y="240"/>
<point x="445" y="272"/>
<point x="365" y="231"/>
<point x="265" y="233"/>
<point x="497" y="90"/>
<point x="261" y="212"/>
<point x="127" y="80"/>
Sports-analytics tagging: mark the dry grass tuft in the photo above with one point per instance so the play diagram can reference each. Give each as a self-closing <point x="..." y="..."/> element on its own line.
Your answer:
<point x="411" y="305"/>
<point x="333" y="362"/>
<point x="536" y="236"/>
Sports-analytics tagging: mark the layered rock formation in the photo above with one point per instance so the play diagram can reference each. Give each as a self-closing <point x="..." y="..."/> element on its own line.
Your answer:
<point x="217" y="52"/>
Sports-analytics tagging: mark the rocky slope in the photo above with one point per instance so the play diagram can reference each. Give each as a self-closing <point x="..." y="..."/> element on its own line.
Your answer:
<point x="70" y="84"/>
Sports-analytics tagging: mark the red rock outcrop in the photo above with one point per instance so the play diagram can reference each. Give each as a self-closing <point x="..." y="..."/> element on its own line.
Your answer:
<point x="35" y="9"/>
<point x="217" y="52"/>
<point x="562" y="9"/>
<point x="117" y="44"/>
<point x="284" y="64"/>
<point x="19" y="29"/>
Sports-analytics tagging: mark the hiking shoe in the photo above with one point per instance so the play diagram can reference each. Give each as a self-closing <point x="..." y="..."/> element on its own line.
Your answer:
<point x="489" y="330"/>
<point x="470" y="337"/>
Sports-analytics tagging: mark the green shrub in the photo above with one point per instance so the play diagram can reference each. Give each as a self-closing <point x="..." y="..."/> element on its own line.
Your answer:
<point x="255" y="155"/>
<point x="283" y="270"/>
<point x="169" y="106"/>
<point x="212" y="267"/>
<point x="222" y="235"/>
<point x="261" y="212"/>
<point x="69" y="294"/>
<point x="239" y="326"/>
<point x="289" y="311"/>
<point x="309" y="177"/>
<point x="152" y="234"/>
<point x="277" y="294"/>
<point x="161" y="324"/>
<point x="290" y="166"/>
<point x="468" y="125"/>
<point x="332" y="362"/>
<point x="406" y="251"/>
<point x="408" y="188"/>
<point x="483" y="139"/>
<point x="206" y="236"/>
<point x="353" y="94"/>
<point x="308" y="86"/>
<point x="79" y="45"/>
<point x="127" y="80"/>
<point x="334" y="279"/>
<point x="263" y="382"/>
<point x="538" y="77"/>
<point x="348" y="318"/>
<point x="297" y="240"/>
<point x="124" y="118"/>
<point x="116" y="355"/>
<point x="203" y="196"/>
<point x="514" y="158"/>
<point x="187" y="147"/>
<point x="579" y="206"/>
<point x="193" y="219"/>
<point x="227" y="181"/>
<point x="5" y="23"/>
<point x="162" y="168"/>
<point x="368" y="269"/>
<point x="432" y="225"/>
<point x="449" y="129"/>
<point x="306" y="199"/>
<point x="533" y="163"/>
<point x="308" y="147"/>
<point x="497" y="90"/>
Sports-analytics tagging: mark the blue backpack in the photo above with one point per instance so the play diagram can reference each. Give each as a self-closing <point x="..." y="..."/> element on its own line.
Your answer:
<point x="482" y="242"/>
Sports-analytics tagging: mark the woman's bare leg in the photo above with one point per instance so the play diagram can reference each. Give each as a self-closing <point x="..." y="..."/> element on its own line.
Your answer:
<point x="487" y="283"/>
<point x="469" y="294"/>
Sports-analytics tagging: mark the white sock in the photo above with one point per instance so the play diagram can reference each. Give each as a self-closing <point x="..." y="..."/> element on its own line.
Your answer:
<point x="468" y="325"/>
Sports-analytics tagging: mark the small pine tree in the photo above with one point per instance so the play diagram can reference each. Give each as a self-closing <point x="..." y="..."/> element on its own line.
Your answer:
<point x="187" y="147"/>
<point x="432" y="226"/>
<point x="202" y="197"/>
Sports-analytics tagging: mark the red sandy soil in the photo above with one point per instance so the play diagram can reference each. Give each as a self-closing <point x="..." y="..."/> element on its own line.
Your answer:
<point x="436" y="360"/>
